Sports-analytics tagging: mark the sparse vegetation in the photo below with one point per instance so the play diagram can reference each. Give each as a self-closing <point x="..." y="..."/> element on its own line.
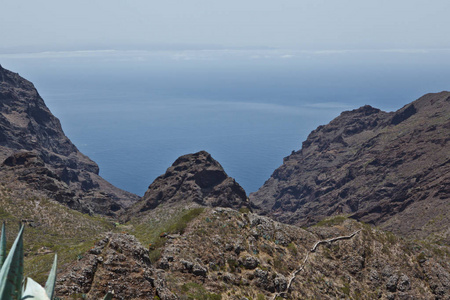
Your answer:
<point x="292" y="248"/>
<point x="333" y="221"/>
<point x="47" y="222"/>
<point x="153" y="234"/>
<point x="192" y="290"/>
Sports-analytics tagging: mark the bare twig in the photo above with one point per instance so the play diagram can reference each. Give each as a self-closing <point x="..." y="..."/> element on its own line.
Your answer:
<point x="345" y="237"/>
<point x="313" y="249"/>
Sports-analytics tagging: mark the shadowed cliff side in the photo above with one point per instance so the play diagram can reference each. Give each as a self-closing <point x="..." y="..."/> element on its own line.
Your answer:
<point x="387" y="169"/>
<point x="35" y="152"/>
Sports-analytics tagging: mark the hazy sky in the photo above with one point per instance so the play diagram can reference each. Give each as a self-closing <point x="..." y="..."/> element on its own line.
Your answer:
<point x="295" y="24"/>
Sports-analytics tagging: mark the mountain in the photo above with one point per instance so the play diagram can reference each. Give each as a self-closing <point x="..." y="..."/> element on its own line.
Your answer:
<point x="195" y="234"/>
<point x="192" y="179"/>
<point x="387" y="169"/>
<point x="36" y="153"/>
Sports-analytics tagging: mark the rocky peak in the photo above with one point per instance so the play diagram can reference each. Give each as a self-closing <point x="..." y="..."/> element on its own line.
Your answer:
<point x="194" y="178"/>
<point x="349" y="123"/>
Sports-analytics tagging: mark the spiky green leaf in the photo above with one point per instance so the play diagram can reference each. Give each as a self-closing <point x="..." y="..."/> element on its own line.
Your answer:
<point x="51" y="281"/>
<point x="34" y="291"/>
<point x="19" y="265"/>
<point x="108" y="296"/>
<point x="2" y="246"/>
<point x="11" y="273"/>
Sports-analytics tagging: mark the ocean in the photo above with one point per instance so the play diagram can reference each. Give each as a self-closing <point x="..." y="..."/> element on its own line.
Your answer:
<point x="135" y="112"/>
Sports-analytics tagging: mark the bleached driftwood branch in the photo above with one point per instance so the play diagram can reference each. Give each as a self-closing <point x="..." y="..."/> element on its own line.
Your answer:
<point x="313" y="249"/>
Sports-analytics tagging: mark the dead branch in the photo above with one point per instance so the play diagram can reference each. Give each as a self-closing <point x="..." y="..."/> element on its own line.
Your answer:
<point x="313" y="249"/>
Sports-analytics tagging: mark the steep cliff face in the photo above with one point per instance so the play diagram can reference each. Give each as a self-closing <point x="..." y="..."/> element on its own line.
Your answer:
<point x="193" y="178"/>
<point x="387" y="169"/>
<point x="35" y="151"/>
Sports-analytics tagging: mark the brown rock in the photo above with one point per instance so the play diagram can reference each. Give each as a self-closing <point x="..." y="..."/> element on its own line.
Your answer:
<point x="387" y="169"/>
<point x="35" y="150"/>
<point x="119" y="264"/>
<point x="196" y="178"/>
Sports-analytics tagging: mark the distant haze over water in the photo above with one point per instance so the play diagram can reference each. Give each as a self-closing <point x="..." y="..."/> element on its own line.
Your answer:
<point x="135" y="112"/>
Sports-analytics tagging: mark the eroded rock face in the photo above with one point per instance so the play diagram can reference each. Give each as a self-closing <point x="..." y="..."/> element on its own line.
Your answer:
<point x="194" y="178"/>
<point x="388" y="169"/>
<point x="34" y="150"/>
<point x="118" y="264"/>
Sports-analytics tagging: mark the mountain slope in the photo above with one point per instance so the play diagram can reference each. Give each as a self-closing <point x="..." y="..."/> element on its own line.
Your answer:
<point x="221" y="253"/>
<point x="35" y="150"/>
<point x="387" y="169"/>
<point x="51" y="228"/>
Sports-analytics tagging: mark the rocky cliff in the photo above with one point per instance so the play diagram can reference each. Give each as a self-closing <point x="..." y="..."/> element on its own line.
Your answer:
<point x="35" y="152"/>
<point x="193" y="178"/>
<point x="388" y="169"/>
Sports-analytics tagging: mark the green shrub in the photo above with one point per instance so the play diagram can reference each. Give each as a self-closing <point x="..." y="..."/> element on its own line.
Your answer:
<point x="332" y="221"/>
<point x="293" y="249"/>
<point x="196" y="291"/>
<point x="244" y="210"/>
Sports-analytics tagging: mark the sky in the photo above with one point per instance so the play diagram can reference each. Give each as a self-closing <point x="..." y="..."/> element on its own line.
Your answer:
<point x="28" y="25"/>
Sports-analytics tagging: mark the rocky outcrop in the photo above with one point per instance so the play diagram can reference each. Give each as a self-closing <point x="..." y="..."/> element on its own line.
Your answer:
<point x="34" y="150"/>
<point x="387" y="169"/>
<point x="193" y="178"/>
<point x="117" y="264"/>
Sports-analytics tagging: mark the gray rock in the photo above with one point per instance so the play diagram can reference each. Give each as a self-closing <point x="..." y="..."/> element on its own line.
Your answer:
<point x="391" y="283"/>
<point x="262" y="280"/>
<point x="280" y="283"/>
<point x="187" y="265"/>
<point x="373" y="276"/>
<point x="198" y="270"/>
<point x="249" y="262"/>
<point x="403" y="283"/>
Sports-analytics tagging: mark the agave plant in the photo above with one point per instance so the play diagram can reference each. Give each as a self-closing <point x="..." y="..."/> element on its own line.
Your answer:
<point x="12" y="285"/>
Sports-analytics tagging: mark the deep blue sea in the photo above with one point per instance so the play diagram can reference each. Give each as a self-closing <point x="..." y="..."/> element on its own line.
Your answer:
<point x="135" y="112"/>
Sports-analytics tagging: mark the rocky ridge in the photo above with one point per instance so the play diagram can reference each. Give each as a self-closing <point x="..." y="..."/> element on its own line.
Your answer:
<point x="226" y="254"/>
<point x="387" y="169"/>
<point x="35" y="150"/>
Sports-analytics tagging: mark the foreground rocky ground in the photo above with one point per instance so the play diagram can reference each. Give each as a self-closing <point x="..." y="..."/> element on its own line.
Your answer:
<point x="226" y="254"/>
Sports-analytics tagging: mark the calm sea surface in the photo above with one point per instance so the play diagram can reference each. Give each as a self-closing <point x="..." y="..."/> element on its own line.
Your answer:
<point x="135" y="112"/>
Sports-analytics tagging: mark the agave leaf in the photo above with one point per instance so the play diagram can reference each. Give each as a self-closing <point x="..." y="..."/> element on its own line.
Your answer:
<point x="34" y="291"/>
<point x="108" y="296"/>
<point x="18" y="280"/>
<point x="2" y="246"/>
<point x="50" y="284"/>
<point x="11" y="272"/>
